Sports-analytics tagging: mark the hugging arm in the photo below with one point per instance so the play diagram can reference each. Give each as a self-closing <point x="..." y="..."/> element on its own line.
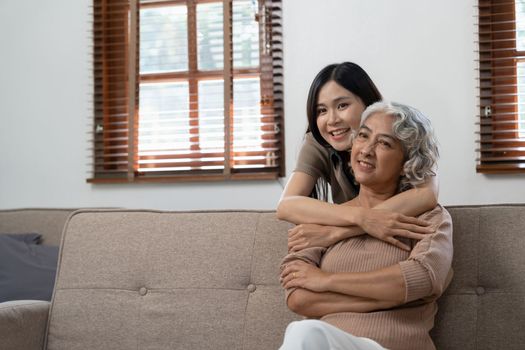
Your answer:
<point x="344" y="221"/>
<point x="396" y="216"/>
<point x="296" y="207"/>
<point x="415" y="201"/>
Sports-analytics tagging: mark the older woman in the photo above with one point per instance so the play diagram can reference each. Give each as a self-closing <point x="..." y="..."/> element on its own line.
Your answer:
<point x="366" y="293"/>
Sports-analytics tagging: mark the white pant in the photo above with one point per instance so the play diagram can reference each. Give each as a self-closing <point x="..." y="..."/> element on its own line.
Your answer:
<point x="319" y="335"/>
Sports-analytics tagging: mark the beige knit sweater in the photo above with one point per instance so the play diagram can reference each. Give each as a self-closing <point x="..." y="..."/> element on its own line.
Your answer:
<point x="426" y="270"/>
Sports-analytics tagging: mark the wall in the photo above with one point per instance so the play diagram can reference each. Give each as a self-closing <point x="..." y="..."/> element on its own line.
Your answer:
<point x="418" y="52"/>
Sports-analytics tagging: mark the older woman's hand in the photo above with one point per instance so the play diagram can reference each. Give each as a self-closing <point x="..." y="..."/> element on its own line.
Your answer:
<point x="300" y="274"/>
<point x="313" y="235"/>
<point x="386" y="225"/>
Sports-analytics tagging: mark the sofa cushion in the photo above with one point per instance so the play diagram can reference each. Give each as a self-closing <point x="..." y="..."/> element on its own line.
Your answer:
<point x="27" y="270"/>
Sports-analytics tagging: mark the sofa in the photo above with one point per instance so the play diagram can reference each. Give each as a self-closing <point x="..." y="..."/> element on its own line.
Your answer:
<point x="143" y="279"/>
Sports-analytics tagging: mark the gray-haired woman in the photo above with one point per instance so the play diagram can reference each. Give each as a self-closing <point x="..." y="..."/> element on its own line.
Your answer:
<point x="366" y="293"/>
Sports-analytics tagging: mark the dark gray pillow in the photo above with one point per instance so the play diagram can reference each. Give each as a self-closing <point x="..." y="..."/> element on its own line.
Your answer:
<point x="27" y="270"/>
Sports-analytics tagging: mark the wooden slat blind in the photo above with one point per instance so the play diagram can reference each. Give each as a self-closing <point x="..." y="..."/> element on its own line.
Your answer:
<point x="111" y="95"/>
<point x="501" y="119"/>
<point x="187" y="90"/>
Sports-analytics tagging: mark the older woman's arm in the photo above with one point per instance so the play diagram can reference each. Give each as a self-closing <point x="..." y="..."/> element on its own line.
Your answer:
<point x="315" y="305"/>
<point x="426" y="273"/>
<point x="428" y="270"/>
<point x="386" y="284"/>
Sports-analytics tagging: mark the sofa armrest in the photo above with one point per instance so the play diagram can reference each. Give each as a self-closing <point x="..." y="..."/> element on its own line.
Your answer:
<point x="23" y="324"/>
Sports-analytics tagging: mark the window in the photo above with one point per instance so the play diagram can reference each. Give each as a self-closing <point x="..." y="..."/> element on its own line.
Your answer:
<point x="502" y="86"/>
<point x="187" y="90"/>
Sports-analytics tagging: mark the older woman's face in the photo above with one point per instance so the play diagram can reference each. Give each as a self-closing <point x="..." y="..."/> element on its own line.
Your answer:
<point x="377" y="155"/>
<point x="338" y="113"/>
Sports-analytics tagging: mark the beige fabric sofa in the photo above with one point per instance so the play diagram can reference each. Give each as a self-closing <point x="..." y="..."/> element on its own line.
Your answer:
<point x="131" y="279"/>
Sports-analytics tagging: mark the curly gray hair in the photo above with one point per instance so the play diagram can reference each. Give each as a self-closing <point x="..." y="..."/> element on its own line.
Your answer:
<point x="414" y="130"/>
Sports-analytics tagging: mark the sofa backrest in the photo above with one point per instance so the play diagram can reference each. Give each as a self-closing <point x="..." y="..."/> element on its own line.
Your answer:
<point x="209" y="280"/>
<point x="165" y="280"/>
<point x="47" y="222"/>
<point x="484" y="307"/>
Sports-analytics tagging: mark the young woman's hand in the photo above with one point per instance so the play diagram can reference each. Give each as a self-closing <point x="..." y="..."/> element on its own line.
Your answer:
<point x="300" y="274"/>
<point x="312" y="235"/>
<point x="386" y="225"/>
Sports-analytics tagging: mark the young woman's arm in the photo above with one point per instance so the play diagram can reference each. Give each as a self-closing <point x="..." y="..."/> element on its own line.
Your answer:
<point x="295" y="206"/>
<point x="415" y="201"/>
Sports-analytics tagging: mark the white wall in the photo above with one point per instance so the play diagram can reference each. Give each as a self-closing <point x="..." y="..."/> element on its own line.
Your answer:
<point x="418" y="52"/>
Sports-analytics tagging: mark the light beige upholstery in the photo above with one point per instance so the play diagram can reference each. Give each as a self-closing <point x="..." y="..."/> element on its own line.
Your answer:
<point x="209" y="280"/>
<point x="169" y="281"/>
<point x="47" y="222"/>
<point x="23" y="324"/>
<point x="484" y="307"/>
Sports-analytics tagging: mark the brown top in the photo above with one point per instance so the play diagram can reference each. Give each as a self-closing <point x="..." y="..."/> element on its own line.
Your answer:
<point x="321" y="162"/>
<point x="426" y="270"/>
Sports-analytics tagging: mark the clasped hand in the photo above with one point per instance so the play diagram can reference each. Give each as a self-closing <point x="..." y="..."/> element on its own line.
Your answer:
<point x="386" y="225"/>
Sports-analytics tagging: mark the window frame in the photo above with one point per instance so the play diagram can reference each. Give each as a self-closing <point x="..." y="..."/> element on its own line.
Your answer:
<point x="102" y="130"/>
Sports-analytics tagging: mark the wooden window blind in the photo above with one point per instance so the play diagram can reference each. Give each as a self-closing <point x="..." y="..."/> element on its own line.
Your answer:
<point x="501" y="118"/>
<point x="187" y="90"/>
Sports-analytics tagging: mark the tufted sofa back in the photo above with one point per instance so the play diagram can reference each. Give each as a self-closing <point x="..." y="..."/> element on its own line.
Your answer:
<point x="484" y="307"/>
<point x="209" y="280"/>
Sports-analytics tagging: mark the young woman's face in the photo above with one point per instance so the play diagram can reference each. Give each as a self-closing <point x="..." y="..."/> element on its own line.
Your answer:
<point x="338" y="113"/>
<point x="377" y="155"/>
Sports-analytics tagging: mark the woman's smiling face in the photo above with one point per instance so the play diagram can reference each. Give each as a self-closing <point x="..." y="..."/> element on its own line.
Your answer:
<point x="377" y="155"/>
<point x="338" y="113"/>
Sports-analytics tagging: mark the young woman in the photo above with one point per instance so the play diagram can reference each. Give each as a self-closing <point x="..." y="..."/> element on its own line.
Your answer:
<point x="366" y="293"/>
<point x="337" y="98"/>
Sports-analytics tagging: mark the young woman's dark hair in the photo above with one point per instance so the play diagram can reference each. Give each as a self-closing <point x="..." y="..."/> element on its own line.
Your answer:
<point x="350" y="76"/>
<point x="354" y="79"/>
